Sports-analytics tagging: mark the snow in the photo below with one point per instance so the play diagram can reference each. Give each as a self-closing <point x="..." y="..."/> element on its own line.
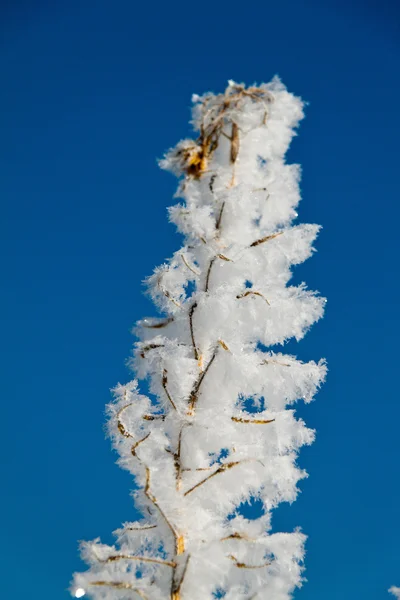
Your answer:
<point x="198" y="453"/>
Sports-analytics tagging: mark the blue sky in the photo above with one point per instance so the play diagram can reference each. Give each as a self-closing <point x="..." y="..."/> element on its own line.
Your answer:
<point x="92" y="93"/>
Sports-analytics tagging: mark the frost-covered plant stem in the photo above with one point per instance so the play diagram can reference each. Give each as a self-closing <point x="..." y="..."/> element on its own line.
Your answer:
<point x="217" y="433"/>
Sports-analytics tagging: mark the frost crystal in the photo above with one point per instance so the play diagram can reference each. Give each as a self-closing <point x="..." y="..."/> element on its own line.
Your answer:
<point x="220" y="436"/>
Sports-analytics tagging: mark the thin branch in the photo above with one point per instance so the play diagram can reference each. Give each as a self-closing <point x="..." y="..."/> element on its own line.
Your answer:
<point x="154" y="500"/>
<point x="121" y="585"/>
<point x="208" y="273"/>
<point x="274" y="362"/>
<point x="211" y="184"/>
<point x="188" y="265"/>
<point x="218" y="223"/>
<point x="154" y="417"/>
<point x="120" y="426"/>
<point x="159" y="325"/>
<point x="176" y="589"/>
<point x="241" y="565"/>
<point x="136" y="444"/>
<point x="167" y="294"/>
<point x="164" y="382"/>
<point x="223" y="257"/>
<point x="265" y="239"/>
<point x="147" y="559"/>
<point x="221" y="469"/>
<point x="234" y="143"/>
<point x="251" y="293"/>
<point x="238" y="536"/>
<point x="191" y="313"/>
<point x="198" y="469"/>
<point x="144" y="528"/>
<point x="177" y="461"/>
<point x="223" y="345"/>
<point x="195" y="391"/>
<point x="252" y="421"/>
<point x="150" y="347"/>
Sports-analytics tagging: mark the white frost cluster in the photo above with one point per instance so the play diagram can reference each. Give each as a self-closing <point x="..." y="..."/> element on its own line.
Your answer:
<point x="395" y="591"/>
<point x="219" y="429"/>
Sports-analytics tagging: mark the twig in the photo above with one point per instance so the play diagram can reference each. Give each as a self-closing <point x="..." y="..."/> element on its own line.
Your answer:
<point x="176" y="589"/>
<point x="223" y="345"/>
<point x="144" y="528"/>
<point x="157" y="561"/>
<point x="218" y="222"/>
<point x="195" y="391"/>
<point x="221" y="469"/>
<point x="177" y="461"/>
<point x="252" y="421"/>
<point x="223" y="257"/>
<point x="274" y="362"/>
<point x="168" y="295"/>
<point x="136" y="444"/>
<point x="265" y="239"/>
<point x="188" y="266"/>
<point x="153" y="499"/>
<point x="164" y="382"/>
<point x="159" y="325"/>
<point x="234" y="143"/>
<point x="251" y="293"/>
<point x="122" y="585"/>
<point x="191" y="312"/>
<point x="153" y="417"/>
<point x="150" y="347"/>
<point x="241" y="565"/>
<point x="208" y="273"/>
<point x="211" y="184"/>
<point x="238" y="536"/>
<point x="120" y="426"/>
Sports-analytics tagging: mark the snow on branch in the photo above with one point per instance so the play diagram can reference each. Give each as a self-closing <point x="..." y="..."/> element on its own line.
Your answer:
<point x="219" y="430"/>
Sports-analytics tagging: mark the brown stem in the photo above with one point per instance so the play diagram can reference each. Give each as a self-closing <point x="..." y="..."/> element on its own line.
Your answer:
<point x="195" y="391"/>
<point x="150" y="347"/>
<point x="136" y="444"/>
<point x="252" y="421"/>
<point x="274" y="362"/>
<point x="237" y="536"/>
<point x="153" y="417"/>
<point x="208" y="273"/>
<point x="265" y="239"/>
<point x="164" y="382"/>
<point x="221" y="469"/>
<point x="159" y="325"/>
<point x="120" y="425"/>
<point x="147" y="559"/>
<point x="241" y="565"/>
<point x="218" y="222"/>
<point x="191" y="313"/>
<point x="176" y="588"/>
<point x="121" y="585"/>
<point x="188" y="266"/>
<point x="251" y="293"/>
<point x="211" y="184"/>
<point x="153" y="499"/>
<point x="177" y="461"/>
<point x="234" y="143"/>
<point x="144" y="528"/>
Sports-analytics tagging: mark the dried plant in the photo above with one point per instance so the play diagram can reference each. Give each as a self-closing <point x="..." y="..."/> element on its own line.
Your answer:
<point x="220" y="433"/>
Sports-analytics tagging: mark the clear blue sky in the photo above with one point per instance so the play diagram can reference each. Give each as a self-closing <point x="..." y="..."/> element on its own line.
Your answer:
<point x="91" y="94"/>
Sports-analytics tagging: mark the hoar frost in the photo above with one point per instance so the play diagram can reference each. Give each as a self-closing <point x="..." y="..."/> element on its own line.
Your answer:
<point x="222" y="430"/>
